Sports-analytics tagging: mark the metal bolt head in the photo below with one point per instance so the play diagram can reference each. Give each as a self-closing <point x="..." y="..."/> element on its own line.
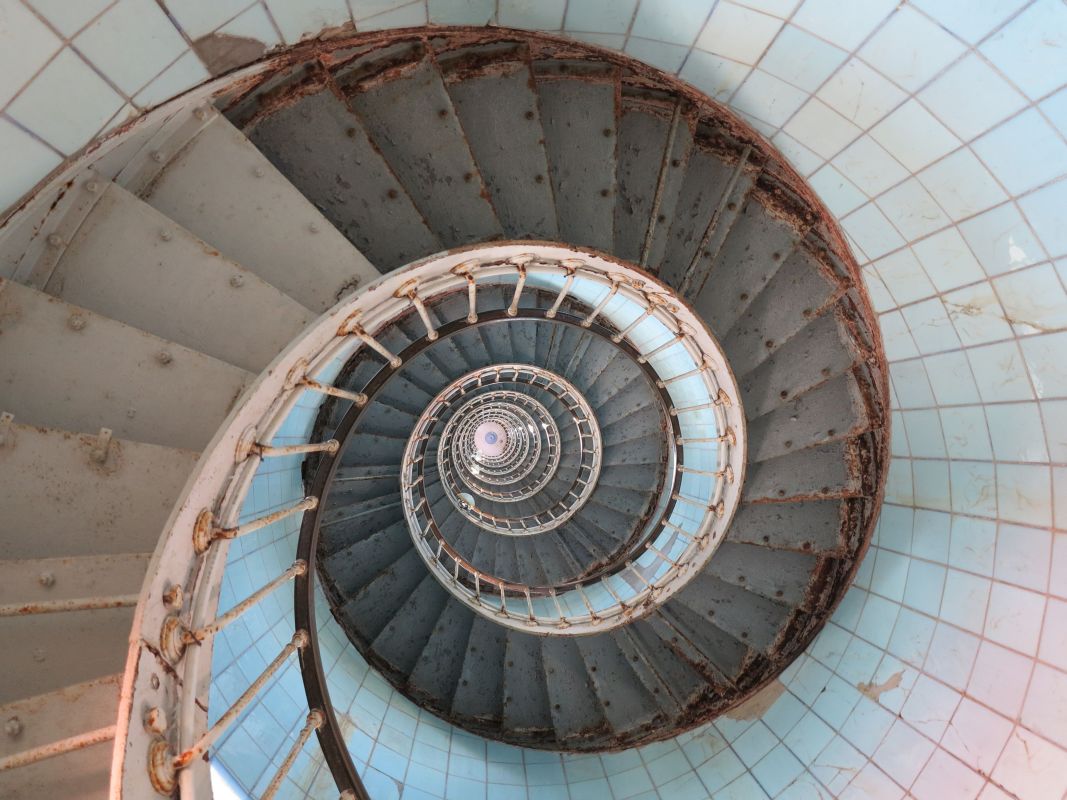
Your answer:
<point x="174" y="597"/>
<point x="157" y="156"/>
<point x="39" y="654"/>
<point x="237" y="281"/>
<point x="258" y="172"/>
<point x="164" y="357"/>
<point x="314" y="228"/>
<point x="47" y="579"/>
<point x="54" y="240"/>
<point x="166" y="236"/>
<point x="76" y="322"/>
<point x="200" y="113"/>
<point x="13" y="727"/>
<point x="154" y="682"/>
<point x="92" y="186"/>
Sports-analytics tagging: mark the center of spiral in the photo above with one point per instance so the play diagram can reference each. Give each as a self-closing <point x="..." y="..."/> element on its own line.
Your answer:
<point x="490" y="439"/>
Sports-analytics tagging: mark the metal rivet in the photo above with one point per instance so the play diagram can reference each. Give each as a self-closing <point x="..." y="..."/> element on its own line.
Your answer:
<point x="39" y="655"/>
<point x="313" y="228"/>
<point x="166" y="236"/>
<point x="131" y="413"/>
<point x="529" y="115"/>
<point x="157" y="156"/>
<point x="76" y="322"/>
<point x="604" y="192"/>
<point x="13" y="727"/>
<point x="237" y="281"/>
<point x="607" y="131"/>
<point x="258" y="172"/>
<point x="47" y="579"/>
<point x="200" y="113"/>
<point x="92" y="186"/>
<point x="164" y="357"/>
<point x="174" y="597"/>
<point x="54" y="240"/>
<point x="154" y="682"/>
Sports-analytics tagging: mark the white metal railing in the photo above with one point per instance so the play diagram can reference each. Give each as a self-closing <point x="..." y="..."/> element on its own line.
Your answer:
<point x="176" y="617"/>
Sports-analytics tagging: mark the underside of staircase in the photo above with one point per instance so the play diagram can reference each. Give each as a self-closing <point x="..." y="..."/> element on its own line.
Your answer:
<point x="129" y="331"/>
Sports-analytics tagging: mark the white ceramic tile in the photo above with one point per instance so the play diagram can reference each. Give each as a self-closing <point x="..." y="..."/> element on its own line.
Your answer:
<point x="962" y="185"/>
<point x="1024" y="494"/>
<point x="66" y="104"/>
<point x="1001" y="240"/>
<point x="1032" y="49"/>
<point x="912" y="210"/>
<point x="362" y="9"/>
<point x="254" y="23"/>
<point x="608" y="16"/>
<point x="298" y="20"/>
<point x="860" y="94"/>
<point x="867" y="164"/>
<point x="1023" y="152"/>
<point x="1032" y="767"/>
<point x="803" y="160"/>
<point x="999" y="679"/>
<point x="1054" y="635"/>
<point x="846" y="25"/>
<point x="838" y="192"/>
<point x="667" y="57"/>
<point x="674" y="21"/>
<point x="948" y="260"/>
<point x="971" y="21"/>
<point x="910" y="49"/>
<point x="199" y="19"/>
<point x="896" y="337"/>
<point x="1014" y="618"/>
<point x="911" y="385"/>
<point x="131" y="62"/>
<point x="716" y="77"/>
<point x="767" y="98"/>
<point x="23" y="160"/>
<point x="952" y="382"/>
<point x="904" y="277"/>
<point x="973" y="488"/>
<point x="185" y="73"/>
<point x="1033" y="299"/>
<point x="26" y="45"/>
<point x="1044" y="360"/>
<point x="932" y="484"/>
<point x="1054" y="413"/>
<point x="913" y="136"/>
<point x="738" y="33"/>
<point x="821" y="129"/>
<point x="69" y="18"/>
<point x="1016" y="430"/>
<point x="971" y="97"/>
<point x="930" y="706"/>
<point x="802" y="59"/>
<point x="976" y="735"/>
<point x="932" y="330"/>
<point x="999" y="372"/>
<point x="966" y="435"/>
<point x="461" y="12"/>
<point x="872" y="231"/>
<point x="945" y="776"/>
<point x="1046" y="210"/>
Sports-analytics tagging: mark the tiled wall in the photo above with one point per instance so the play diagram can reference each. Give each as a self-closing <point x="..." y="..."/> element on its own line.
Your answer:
<point x="935" y="131"/>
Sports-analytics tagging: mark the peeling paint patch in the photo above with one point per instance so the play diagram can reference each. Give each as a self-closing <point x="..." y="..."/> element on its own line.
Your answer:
<point x="876" y="690"/>
<point x="221" y="52"/>
<point x="757" y="705"/>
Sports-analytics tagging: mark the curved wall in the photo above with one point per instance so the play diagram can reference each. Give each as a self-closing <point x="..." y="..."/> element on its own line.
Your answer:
<point x="935" y="131"/>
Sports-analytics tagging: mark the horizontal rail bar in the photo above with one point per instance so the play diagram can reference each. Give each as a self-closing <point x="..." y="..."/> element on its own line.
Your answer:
<point x="73" y="604"/>
<point x="53" y="749"/>
<point x="299" y="641"/>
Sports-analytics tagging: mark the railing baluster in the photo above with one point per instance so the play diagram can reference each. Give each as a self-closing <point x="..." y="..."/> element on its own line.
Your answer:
<point x="198" y="635"/>
<point x="299" y="642"/>
<point x="551" y="313"/>
<point x="376" y="346"/>
<point x="53" y="749"/>
<point x="727" y="436"/>
<point x="358" y="398"/>
<point x="205" y="531"/>
<point x="648" y="312"/>
<point x="588" y="321"/>
<point x="513" y="308"/>
<point x="315" y="720"/>
<point x="270" y="451"/>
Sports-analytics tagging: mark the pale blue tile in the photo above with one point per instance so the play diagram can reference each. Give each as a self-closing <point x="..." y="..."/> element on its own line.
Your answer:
<point x="685" y="787"/>
<point x="932" y="484"/>
<point x="925" y="582"/>
<point x="910" y="49"/>
<point x="1044" y="360"/>
<point x="777" y="770"/>
<point x="904" y="276"/>
<point x="971" y="97"/>
<point x="912" y="210"/>
<point x="838" y="192"/>
<point x="947" y="260"/>
<point x="463" y="789"/>
<point x="1001" y="240"/>
<point x="1032" y="49"/>
<point x="1055" y="108"/>
<point x="498" y="791"/>
<point x="867" y="164"/>
<point x="131" y="62"/>
<point x="545" y="15"/>
<point x="24" y="160"/>
<point x="866" y="726"/>
<point x="744" y="788"/>
<point x="606" y="16"/>
<point x="716" y="77"/>
<point x="400" y="16"/>
<point x="738" y="33"/>
<point x="913" y="136"/>
<point x="911" y="638"/>
<point x="721" y="770"/>
<point x="961" y="185"/>
<point x="667" y="57"/>
<point x="1024" y="494"/>
<point x="674" y="21"/>
<point x="802" y="59"/>
<point x="964" y="600"/>
<point x="872" y="232"/>
<point x="461" y="12"/>
<point x="809" y="737"/>
<point x="1046" y="210"/>
<point x="931" y="328"/>
<point x="931" y="535"/>
<point x="903" y="753"/>
<point x="1024" y="152"/>
<point x="297" y="20"/>
<point x="846" y="25"/>
<point x="859" y="93"/>
<point x="767" y="98"/>
<point x="973" y="488"/>
<point x="836" y="765"/>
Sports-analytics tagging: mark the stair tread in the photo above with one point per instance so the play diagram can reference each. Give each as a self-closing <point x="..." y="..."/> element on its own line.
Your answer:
<point x="105" y="374"/>
<point x="224" y="190"/>
<point x="131" y="263"/>
<point x="78" y="507"/>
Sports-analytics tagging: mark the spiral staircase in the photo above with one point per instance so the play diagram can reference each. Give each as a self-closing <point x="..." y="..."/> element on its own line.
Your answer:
<point x="589" y="406"/>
